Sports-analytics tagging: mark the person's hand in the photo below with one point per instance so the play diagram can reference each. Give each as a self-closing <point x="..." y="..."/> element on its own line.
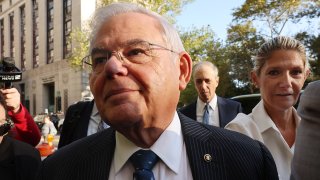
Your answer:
<point x="12" y="99"/>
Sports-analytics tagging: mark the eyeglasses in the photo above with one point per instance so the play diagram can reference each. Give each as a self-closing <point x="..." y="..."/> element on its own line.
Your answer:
<point x="137" y="52"/>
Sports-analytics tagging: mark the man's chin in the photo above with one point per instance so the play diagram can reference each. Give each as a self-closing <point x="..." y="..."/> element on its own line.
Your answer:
<point x="124" y="120"/>
<point x="123" y="114"/>
<point x="205" y="99"/>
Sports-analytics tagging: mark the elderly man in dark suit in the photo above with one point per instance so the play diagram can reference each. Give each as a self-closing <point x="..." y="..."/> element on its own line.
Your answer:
<point x="306" y="159"/>
<point x="210" y="108"/>
<point x="139" y="67"/>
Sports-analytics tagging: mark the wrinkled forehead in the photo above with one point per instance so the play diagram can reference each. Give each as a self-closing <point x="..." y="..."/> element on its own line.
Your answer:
<point x="125" y="26"/>
<point x="203" y="71"/>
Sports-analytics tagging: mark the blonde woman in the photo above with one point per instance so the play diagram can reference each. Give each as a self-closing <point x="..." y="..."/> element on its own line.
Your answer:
<point x="280" y="71"/>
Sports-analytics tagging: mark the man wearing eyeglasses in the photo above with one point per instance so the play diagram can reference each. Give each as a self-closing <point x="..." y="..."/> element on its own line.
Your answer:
<point x="139" y="67"/>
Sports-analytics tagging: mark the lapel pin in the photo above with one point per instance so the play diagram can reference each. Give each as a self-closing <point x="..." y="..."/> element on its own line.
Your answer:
<point x="207" y="157"/>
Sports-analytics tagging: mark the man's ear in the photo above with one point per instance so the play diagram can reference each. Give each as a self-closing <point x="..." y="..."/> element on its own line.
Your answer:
<point x="217" y="80"/>
<point x="185" y="63"/>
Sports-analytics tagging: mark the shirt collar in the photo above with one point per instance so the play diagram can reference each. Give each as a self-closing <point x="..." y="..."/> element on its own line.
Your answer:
<point x="212" y="103"/>
<point x="259" y="113"/>
<point x="171" y="137"/>
<point x="94" y="111"/>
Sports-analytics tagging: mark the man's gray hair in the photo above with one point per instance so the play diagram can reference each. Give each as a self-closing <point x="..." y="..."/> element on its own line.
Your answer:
<point x="205" y="63"/>
<point x="103" y="14"/>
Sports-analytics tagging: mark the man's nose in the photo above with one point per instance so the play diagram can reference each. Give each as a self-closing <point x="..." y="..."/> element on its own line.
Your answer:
<point x="203" y="85"/>
<point x="115" y="66"/>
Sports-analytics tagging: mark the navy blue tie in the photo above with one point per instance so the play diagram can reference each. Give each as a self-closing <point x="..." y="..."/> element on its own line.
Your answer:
<point x="206" y="114"/>
<point x="143" y="162"/>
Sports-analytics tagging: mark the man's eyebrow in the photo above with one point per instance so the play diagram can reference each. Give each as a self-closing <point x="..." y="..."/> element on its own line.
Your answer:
<point x="134" y="41"/>
<point x="103" y="49"/>
<point x="98" y="50"/>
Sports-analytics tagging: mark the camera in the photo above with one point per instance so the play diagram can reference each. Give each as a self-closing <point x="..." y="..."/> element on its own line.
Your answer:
<point x="9" y="72"/>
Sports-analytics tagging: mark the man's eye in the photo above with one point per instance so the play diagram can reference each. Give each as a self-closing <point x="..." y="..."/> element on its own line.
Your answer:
<point x="99" y="60"/>
<point x="136" y="52"/>
<point x="273" y="72"/>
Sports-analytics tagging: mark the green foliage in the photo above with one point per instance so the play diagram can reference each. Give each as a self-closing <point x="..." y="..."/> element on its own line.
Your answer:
<point x="273" y="13"/>
<point x="311" y="9"/>
<point x="80" y="47"/>
<point x="168" y="8"/>
<point x="242" y="42"/>
<point x="312" y="42"/>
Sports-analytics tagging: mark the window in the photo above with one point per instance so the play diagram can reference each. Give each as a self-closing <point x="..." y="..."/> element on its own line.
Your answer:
<point x="50" y="34"/>
<point x="1" y="39"/>
<point x="22" y="38"/>
<point x="67" y="25"/>
<point x="11" y="36"/>
<point x="35" y="34"/>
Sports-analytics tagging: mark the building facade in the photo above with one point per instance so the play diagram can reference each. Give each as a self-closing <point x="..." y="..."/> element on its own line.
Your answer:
<point x="35" y="34"/>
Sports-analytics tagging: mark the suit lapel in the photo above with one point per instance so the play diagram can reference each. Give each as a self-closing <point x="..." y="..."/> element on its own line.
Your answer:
<point x="99" y="156"/>
<point x="194" y="111"/>
<point x="222" y="111"/>
<point x="84" y="120"/>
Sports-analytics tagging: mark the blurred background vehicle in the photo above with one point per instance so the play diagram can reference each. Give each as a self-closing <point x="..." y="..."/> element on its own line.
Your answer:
<point x="248" y="101"/>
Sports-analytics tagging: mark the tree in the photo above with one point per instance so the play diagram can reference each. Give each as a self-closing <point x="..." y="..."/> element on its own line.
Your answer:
<point x="80" y="50"/>
<point x="168" y="8"/>
<point x="311" y="9"/>
<point x="312" y="43"/>
<point x="271" y="13"/>
<point x="242" y="42"/>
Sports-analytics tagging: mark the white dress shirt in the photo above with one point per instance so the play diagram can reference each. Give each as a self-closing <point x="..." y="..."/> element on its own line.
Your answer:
<point x="94" y="121"/>
<point x="213" y="111"/>
<point x="258" y="125"/>
<point x="173" y="161"/>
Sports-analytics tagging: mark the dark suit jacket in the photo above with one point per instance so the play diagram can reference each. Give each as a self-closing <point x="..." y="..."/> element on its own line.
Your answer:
<point x="234" y="156"/>
<point x="228" y="110"/>
<point x="26" y="160"/>
<point x="76" y="121"/>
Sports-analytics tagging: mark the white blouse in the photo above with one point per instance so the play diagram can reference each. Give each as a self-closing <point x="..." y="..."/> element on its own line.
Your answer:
<point x="258" y="125"/>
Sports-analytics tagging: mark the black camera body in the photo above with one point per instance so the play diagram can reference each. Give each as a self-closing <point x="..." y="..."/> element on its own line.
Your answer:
<point x="9" y="72"/>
